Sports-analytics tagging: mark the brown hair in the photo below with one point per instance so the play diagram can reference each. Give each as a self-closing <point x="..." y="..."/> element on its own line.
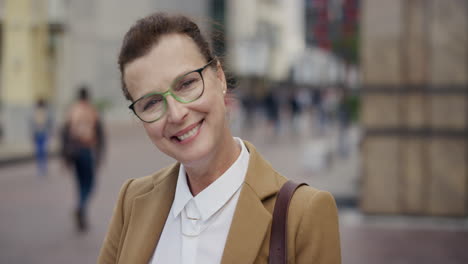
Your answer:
<point x="146" y="32"/>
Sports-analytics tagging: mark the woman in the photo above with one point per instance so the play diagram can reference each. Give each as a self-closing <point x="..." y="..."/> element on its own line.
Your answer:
<point x="215" y="204"/>
<point x="82" y="150"/>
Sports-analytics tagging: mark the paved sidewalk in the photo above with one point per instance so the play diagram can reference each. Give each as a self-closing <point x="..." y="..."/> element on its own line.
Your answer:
<point x="11" y="154"/>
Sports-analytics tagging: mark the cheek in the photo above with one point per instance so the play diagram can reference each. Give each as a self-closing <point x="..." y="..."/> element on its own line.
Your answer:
<point x="210" y="102"/>
<point x="154" y="131"/>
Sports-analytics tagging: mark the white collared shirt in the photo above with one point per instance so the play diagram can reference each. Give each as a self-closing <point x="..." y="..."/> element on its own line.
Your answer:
<point x="197" y="227"/>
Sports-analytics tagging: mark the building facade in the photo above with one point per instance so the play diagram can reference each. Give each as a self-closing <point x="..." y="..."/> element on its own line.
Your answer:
<point x="415" y="107"/>
<point x="51" y="47"/>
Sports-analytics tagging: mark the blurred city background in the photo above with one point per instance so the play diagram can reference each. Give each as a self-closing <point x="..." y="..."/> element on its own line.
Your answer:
<point x="367" y="99"/>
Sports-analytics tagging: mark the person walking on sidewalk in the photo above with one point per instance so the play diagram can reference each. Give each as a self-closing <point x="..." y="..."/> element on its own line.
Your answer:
<point x="83" y="143"/>
<point x="41" y="127"/>
<point x="215" y="204"/>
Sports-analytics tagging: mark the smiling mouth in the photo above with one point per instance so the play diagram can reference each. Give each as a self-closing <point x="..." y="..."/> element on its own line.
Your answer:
<point x="189" y="133"/>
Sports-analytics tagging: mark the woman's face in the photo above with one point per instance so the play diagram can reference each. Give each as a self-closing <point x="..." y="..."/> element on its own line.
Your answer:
<point x="192" y="132"/>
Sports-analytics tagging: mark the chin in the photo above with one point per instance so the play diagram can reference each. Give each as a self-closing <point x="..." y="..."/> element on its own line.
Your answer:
<point x="194" y="157"/>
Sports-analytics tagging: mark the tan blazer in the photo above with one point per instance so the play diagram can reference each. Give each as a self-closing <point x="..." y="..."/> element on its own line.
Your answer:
<point x="144" y="204"/>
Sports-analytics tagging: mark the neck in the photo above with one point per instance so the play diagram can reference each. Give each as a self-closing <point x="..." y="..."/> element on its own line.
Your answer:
<point x="201" y="176"/>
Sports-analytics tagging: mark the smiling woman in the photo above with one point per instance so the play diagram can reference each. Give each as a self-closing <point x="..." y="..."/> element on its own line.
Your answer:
<point x="214" y="205"/>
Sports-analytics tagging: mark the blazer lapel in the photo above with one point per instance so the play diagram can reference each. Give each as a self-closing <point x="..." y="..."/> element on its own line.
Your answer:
<point x="149" y="215"/>
<point x="251" y="221"/>
<point x="248" y="229"/>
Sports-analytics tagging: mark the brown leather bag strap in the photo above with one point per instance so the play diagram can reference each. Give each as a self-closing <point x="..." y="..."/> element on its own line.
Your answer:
<point x="278" y="238"/>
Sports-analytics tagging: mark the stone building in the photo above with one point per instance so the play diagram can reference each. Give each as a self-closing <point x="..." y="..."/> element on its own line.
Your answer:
<point x="415" y="107"/>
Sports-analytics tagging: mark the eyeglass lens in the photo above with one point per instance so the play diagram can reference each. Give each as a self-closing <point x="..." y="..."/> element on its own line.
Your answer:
<point x="185" y="90"/>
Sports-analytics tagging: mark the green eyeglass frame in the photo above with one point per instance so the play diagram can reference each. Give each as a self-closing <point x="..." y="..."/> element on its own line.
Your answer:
<point x="171" y="92"/>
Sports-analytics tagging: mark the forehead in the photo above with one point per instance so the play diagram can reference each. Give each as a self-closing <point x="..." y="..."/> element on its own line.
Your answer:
<point x="172" y="56"/>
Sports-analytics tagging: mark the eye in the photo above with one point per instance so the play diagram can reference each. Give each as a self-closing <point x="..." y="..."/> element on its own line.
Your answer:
<point x="185" y="84"/>
<point x="188" y="82"/>
<point x="151" y="103"/>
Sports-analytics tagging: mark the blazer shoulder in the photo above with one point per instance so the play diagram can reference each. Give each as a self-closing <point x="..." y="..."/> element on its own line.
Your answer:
<point x="142" y="185"/>
<point x="311" y="202"/>
<point x="307" y="197"/>
<point x="313" y="228"/>
<point x="307" y="192"/>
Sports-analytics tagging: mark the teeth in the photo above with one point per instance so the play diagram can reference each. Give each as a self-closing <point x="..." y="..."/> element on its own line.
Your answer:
<point x="189" y="134"/>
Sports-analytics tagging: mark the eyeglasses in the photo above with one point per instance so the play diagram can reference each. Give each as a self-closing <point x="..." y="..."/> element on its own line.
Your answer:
<point x="185" y="89"/>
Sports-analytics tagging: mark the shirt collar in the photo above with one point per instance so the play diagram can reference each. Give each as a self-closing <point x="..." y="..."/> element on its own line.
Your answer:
<point x="218" y="193"/>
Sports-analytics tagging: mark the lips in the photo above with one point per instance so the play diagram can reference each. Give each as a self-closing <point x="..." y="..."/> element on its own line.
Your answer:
<point x="187" y="132"/>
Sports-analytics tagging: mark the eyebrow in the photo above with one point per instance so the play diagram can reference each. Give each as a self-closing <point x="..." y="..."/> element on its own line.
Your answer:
<point x="172" y="82"/>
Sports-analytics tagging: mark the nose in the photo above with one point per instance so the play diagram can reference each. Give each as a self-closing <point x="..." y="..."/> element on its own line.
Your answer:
<point x="176" y="111"/>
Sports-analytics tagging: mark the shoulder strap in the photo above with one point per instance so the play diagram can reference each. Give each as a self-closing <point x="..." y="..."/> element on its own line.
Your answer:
<point x="278" y="237"/>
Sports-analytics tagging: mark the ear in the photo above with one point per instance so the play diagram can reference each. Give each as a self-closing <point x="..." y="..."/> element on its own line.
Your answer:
<point x="220" y="75"/>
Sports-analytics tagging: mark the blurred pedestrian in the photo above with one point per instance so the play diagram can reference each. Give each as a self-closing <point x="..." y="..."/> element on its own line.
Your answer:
<point x="215" y="204"/>
<point x="330" y="105"/>
<point x="83" y="145"/>
<point x="344" y="121"/>
<point x="295" y="110"/>
<point x="41" y="128"/>
<point x="248" y="105"/>
<point x="320" y="118"/>
<point x="272" y="112"/>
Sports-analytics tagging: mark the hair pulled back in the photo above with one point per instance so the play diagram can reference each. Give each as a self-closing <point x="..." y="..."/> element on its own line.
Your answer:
<point x="146" y="33"/>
